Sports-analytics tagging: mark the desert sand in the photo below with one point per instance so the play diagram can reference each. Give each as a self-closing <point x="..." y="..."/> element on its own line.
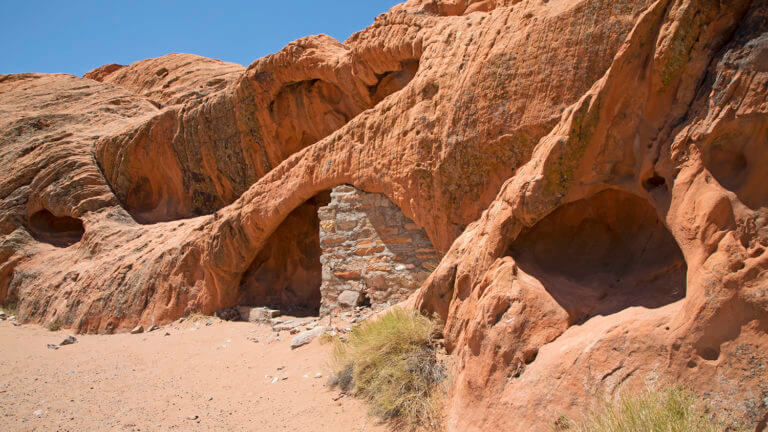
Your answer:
<point x="198" y="378"/>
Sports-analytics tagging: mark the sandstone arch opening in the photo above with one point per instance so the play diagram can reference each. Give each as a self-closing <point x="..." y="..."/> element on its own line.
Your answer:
<point x="602" y="254"/>
<point x="342" y="249"/>
<point x="305" y="112"/>
<point x="286" y="273"/>
<point x="60" y="231"/>
<point x="393" y="81"/>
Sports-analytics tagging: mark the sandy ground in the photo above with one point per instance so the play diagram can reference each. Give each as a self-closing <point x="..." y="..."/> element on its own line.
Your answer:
<point x="199" y="378"/>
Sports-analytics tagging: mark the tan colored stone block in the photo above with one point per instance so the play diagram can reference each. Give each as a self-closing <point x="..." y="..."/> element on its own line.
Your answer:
<point x="379" y="267"/>
<point x="348" y="274"/>
<point x="334" y="240"/>
<point x="397" y="240"/>
<point x="369" y="251"/>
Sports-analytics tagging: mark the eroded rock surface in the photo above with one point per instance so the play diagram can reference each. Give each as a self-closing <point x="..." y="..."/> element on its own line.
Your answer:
<point x="592" y="171"/>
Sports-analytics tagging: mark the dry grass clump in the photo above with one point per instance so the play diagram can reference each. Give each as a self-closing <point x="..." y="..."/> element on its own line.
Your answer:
<point x="196" y="316"/>
<point x="391" y="363"/>
<point x="669" y="409"/>
<point x="10" y="308"/>
<point x="54" y="325"/>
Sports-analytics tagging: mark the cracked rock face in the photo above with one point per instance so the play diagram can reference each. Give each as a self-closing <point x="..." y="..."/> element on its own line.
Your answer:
<point x="592" y="172"/>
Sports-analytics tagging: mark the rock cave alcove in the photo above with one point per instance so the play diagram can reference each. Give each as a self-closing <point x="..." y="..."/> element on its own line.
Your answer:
<point x="305" y="112"/>
<point x="59" y="231"/>
<point x="342" y="249"/>
<point x="603" y="254"/>
<point x="286" y="273"/>
<point x="736" y="156"/>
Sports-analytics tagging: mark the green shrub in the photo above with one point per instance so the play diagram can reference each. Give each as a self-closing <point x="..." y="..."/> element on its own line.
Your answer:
<point x="54" y="325"/>
<point x="669" y="409"/>
<point x="392" y="364"/>
<point x="10" y="308"/>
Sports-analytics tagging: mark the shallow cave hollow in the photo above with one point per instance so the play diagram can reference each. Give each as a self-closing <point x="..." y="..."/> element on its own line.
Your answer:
<point x="286" y="274"/>
<point x="59" y="231"/>
<point x="603" y="254"/>
<point x="736" y="156"/>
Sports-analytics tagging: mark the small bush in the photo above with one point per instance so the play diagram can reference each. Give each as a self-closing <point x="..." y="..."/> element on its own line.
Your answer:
<point x="391" y="363"/>
<point x="670" y="409"/>
<point x="197" y="316"/>
<point x="54" y="325"/>
<point x="10" y="308"/>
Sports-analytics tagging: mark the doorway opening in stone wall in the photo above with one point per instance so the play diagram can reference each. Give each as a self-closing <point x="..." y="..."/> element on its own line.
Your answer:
<point x="341" y="250"/>
<point x="286" y="273"/>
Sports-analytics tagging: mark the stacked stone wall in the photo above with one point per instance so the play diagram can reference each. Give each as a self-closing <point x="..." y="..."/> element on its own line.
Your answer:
<point x="371" y="253"/>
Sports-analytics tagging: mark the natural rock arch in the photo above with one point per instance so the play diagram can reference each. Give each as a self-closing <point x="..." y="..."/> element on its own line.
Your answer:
<point x="286" y="271"/>
<point x="340" y="249"/>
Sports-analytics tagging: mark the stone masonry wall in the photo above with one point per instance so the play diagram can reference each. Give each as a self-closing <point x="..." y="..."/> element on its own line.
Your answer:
<point x="371" y="253"/>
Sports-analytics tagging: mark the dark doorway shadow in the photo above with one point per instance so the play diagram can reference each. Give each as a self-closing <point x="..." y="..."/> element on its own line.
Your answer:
<point x="286" y="274"/>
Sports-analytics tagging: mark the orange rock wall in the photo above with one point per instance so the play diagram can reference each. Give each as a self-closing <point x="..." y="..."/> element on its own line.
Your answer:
<point x="591" y="169"/>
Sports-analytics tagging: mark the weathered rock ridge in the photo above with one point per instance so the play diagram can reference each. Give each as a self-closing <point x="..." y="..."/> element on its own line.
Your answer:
<point x="592" y="170"/>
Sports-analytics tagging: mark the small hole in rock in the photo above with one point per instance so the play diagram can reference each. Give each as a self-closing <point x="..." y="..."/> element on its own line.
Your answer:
<point x="653" y="182"/>
<point x="366" y="301"/>
<point x="61" y="231"/>
<point x="709" y="354"/>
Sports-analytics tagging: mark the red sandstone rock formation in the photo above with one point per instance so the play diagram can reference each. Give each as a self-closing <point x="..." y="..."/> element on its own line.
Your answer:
<point x="593" y="171"/>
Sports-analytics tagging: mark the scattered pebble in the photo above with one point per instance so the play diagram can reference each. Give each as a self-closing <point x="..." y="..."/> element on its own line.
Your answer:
<point x="306" y="337"/>
<point x="194" y="417"/>
<point x="138" y="329"/>
<point x="274" y="380"/>
<point x="209" y="322"/>
<point x="153" y="327"/>
<point x="318" y="375"/>
<point x="52" y="346"/>
<point x="167" y="334"/>
<point x="37" y="412"/>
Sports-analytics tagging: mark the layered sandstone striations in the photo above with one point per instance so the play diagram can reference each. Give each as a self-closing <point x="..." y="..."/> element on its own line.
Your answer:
<point x="593" y="171"/>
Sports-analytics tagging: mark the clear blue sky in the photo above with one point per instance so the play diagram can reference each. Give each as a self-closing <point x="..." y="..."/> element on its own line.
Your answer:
<point x="75" y="36"/>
